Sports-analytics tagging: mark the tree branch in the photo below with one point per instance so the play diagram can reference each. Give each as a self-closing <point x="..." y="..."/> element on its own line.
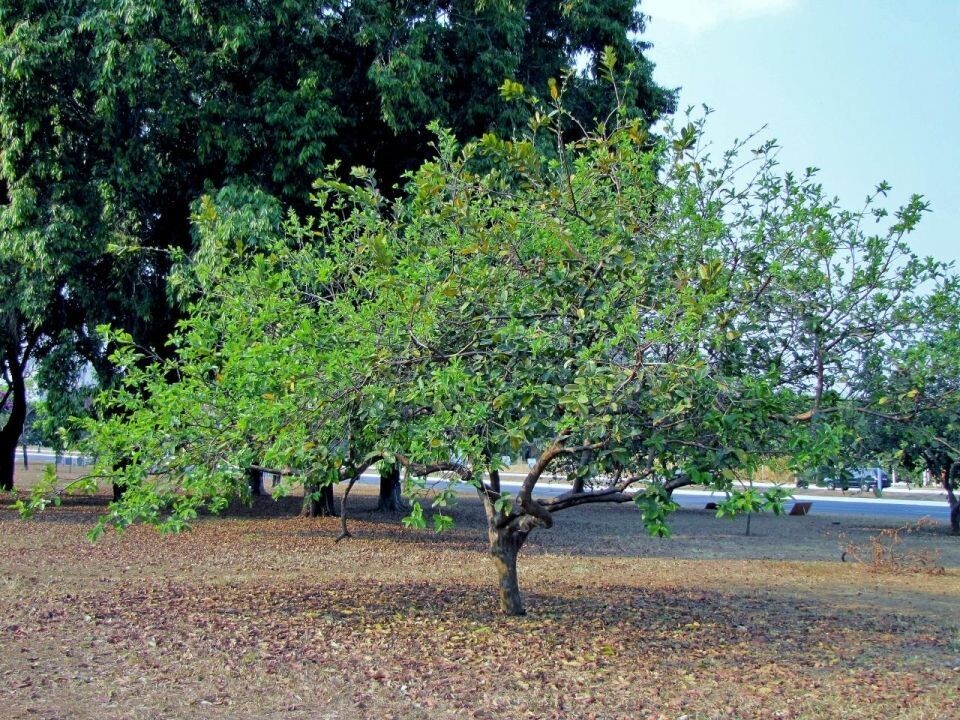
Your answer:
<point x="418" y="469"/>
<point x="948" y="446"/>
<point x="530" y="482"/>
<point x="614" y="494"/>
<point x="354" y="472"/>
<point x="536" y="510"/>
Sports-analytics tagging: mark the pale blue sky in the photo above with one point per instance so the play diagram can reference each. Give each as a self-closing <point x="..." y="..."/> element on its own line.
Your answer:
<point x="866" y="90"/>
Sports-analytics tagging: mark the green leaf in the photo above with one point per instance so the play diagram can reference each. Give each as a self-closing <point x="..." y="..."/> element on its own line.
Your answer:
<point x="511" y="90"/>
<point x="416" y="518"/>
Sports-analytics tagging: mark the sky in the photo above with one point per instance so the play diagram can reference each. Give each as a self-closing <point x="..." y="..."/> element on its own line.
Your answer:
<point x="865" y="90"/>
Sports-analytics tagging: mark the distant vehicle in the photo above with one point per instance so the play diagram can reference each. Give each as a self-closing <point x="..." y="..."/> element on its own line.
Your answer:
<point x="863" y="478"/>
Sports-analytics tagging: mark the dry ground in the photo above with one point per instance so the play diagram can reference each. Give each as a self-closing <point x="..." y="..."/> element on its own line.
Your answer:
<point x="260" y="615"/>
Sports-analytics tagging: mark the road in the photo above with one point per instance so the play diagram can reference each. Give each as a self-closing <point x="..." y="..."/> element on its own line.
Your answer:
<point x="888" y="507"/>
<point x="849" y="506"/>
<point x="41" y="456"/>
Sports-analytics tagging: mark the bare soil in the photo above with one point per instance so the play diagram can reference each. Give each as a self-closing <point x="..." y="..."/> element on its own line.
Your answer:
<point x="259" y="614"/>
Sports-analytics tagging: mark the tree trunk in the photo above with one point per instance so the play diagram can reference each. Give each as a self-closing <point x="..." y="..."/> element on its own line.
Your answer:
<point x="314" y="506"/>
<point x="951" y="478"/>
<point x="10" y="434"/>
<point x="8" y="459"/>
<point x="118" y="490"/>
<point x="26" y="461"/>
<point x="675" y="483"/>
<point x="578" y="485"/>
<point x="505" y="544"/>
<point x="120" y="487"/>
<point x="390" y="499"/>
<point x="495" y="481"/>
<point x="580" y="474"/>
<point x="255" y="478"/>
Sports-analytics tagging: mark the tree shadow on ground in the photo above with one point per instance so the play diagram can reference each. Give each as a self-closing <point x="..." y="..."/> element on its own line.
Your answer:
<point x="588" y="531"/>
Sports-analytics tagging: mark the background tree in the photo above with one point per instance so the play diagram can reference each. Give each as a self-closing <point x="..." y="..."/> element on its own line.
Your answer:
<point x="116" y="116"/>
<point x="908" y="400"/>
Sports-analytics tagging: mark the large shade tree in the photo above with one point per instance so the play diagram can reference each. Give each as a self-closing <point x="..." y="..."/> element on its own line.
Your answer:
<point x="638" y="311"/>
<point x="116" y="116"/>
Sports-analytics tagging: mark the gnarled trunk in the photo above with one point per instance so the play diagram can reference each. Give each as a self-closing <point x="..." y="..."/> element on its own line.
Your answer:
<point x="580" y="477"/>
<point x="505" y="544"/>
<point x="10" y="434"/>
<point x="391" y="499"/>
<point x="318" y="501"/>
<point x="579" y="485"/>
<point x="508" y="527"/>
<point x="675" y="483"/>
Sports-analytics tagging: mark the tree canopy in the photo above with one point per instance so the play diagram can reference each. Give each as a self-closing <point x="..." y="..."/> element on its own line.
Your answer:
<point x="116" y="116"/>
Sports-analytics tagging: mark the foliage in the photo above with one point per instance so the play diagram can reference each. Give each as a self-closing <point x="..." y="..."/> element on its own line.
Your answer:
<point x="116" y="116"/>
<point x="909" y="396"/>
<point x="752" y="500"/>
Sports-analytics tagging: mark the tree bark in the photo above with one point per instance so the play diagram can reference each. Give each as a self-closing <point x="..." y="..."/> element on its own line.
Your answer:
<point x="120" y="487"/>
<point x="314" y="507"/>
<point x="675" y="483"/>
<point x="10" y="434"/>
<point x="505" y="545"/>
<point x="390" y="499"/>
<point x="26" y="461"/>
<point x="8" y="455"/>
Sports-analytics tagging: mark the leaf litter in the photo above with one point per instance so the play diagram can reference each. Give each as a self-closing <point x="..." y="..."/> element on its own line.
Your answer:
<point x="261" y="615"/>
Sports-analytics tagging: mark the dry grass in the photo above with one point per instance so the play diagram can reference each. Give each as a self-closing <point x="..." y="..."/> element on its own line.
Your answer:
<point x="260" y="615"/>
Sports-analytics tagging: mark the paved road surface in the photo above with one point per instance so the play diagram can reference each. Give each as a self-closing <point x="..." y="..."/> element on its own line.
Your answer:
<point x="864" y="507"/>
<point x="47" y="456"/>
<point x="848" y="506"/>
<point x="888" y="507"/>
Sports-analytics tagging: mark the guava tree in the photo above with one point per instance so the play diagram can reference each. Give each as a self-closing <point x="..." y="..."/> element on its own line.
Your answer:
<point x="622" y="305"/>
